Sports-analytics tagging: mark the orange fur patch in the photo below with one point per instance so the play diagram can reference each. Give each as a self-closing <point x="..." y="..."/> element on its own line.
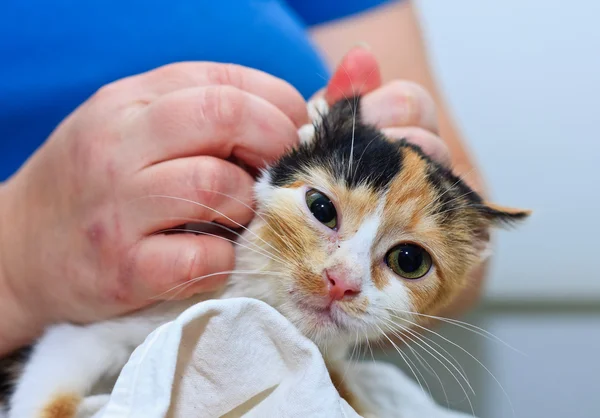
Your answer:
<point x="409" y="210"/>
<point x="379" y="278"/>
<point x="410" y="186"/>
<point x="62" y="406"/>
<point x="294" y="185"/>
<point x="357" y="205"/>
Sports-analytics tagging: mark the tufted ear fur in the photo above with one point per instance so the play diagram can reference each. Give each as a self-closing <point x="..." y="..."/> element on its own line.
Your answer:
<point x="317" y="110"/>
<point x="503" y="215"/>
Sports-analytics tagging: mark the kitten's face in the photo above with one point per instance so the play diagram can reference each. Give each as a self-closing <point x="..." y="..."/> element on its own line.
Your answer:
<point x="360" y="246"/>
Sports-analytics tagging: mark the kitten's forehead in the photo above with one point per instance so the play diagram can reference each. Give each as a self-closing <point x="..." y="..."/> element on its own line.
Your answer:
<point x="349" y="151"/>
<point x="409" y="194"/>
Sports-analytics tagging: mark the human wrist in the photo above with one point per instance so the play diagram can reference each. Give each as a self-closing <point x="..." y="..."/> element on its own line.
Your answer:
<point x="17" y="324"/>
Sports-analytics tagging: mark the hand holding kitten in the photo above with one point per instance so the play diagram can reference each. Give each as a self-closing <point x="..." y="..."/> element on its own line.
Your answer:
<point x="401" y="109"/>
<point x="78" y="229"/>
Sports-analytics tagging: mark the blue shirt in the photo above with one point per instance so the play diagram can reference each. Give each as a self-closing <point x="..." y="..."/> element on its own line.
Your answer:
<point x="55" y="54"/>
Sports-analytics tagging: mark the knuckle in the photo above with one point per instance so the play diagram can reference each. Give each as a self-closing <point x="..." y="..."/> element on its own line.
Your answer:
<point x="190" y="262"/>
<point x="207" y="180"/>
<point x="176" y="74"/>
<point x="224" y="106"/>
<point x="225" y="74"/>
<point x="106" y="92"/>
<point x="406" y="103"/>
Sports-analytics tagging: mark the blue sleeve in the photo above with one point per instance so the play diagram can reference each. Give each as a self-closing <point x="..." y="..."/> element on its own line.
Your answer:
<point x="314" y="12"/>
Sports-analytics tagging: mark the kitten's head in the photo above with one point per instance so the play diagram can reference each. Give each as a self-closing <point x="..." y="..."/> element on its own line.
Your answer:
<point x="363" y="229"/>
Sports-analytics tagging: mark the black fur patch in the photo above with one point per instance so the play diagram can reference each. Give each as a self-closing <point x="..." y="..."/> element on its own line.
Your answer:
<point x="375" y="160"/>
<point x="10" y="370"/>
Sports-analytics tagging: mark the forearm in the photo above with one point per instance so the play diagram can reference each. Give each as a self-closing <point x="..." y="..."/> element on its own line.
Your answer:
<point x="17" y="324"/>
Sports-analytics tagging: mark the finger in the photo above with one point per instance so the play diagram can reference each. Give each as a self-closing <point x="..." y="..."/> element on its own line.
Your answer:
<point x="195" y="188"/>
<point x="357" y="74"/>
<point x="400" y="103"/>
<point x="169" y="266"/>
<point x="431" y="144"/>
<point x="185" y="75"/>
<point x="220" y="121"/>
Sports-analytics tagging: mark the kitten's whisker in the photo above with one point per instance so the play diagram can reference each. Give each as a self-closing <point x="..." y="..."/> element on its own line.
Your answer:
<point x="221" y="237"/>
<point x="363" y="153"/>
<point x="415" y="336"/>
<point x="419" y="336"/>
<point x="353" y="131"/>
<point x="435" y="351"/>
<point x="470" y="355"/>
<point x="465" y="325"/>
<point x="217" y="212"/>
<point x="219" y="273"/>
<point x="369" y="346"/>
<point x="200" y="221"/>
<point x="413" y="351"/>
<point x="416" y="353"/>
<point x="428" y="368"/>
<point x="446" y="367"/>
<point x="354" y="106"/>
<point x="402" y="356"/>
<point x="257" y="213"/>
<point x="351" y="357"/>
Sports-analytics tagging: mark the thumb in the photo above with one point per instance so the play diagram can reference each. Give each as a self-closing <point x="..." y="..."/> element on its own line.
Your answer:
<point x="357" y="74"/>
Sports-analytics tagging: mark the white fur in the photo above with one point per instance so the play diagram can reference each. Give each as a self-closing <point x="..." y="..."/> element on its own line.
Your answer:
<point x="70" y="359"/>
<point x="306" y="133"/>
<point x="317" y="109"/>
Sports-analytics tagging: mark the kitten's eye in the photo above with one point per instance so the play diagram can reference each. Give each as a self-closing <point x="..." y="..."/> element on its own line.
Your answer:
<point x="322" y="208"/>
<point x="409" y="261"/>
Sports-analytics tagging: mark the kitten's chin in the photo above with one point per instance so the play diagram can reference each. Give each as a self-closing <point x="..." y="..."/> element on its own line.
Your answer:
<point x="326" y="326"/>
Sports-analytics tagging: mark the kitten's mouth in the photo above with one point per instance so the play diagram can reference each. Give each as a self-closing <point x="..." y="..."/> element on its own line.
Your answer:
<point x="329" y="314"/>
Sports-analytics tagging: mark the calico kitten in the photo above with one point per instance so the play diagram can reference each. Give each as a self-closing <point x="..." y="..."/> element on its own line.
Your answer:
<point x="359" y="227"/>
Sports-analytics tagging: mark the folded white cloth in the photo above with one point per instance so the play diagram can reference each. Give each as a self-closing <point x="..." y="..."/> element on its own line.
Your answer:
<point x="240" y="357"/>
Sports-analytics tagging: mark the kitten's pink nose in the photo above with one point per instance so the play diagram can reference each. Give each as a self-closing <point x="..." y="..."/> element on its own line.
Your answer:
<point x="340" y="287"/>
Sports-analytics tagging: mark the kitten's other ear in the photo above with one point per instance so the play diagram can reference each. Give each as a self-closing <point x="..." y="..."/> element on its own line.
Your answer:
<point x="503" y="215"/>
<point x="495" y="216"/>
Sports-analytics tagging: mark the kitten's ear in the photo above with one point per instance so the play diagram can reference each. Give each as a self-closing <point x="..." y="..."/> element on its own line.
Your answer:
<point x="495" y="216"/>
<point x="502" y="215"/>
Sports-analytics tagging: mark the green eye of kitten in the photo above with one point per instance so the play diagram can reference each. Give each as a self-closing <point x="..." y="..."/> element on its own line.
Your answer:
<point x="409" y="261"/>
<point x="322" y="208"/>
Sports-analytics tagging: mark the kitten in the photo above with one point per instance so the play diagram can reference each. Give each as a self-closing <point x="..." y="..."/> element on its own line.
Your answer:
<point x="358" y="227"/>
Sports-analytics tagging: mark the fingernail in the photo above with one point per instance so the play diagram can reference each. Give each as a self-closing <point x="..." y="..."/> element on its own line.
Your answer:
<point x="362" y="45"/>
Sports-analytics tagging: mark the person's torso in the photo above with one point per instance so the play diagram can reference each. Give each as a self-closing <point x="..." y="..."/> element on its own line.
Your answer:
<point x="54" y="55"/>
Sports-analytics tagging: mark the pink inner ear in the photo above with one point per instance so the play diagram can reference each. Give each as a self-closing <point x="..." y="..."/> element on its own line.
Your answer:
<point x="357" y="74"/>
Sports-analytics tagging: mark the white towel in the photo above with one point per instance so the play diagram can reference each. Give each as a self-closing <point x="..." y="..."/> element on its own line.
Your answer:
<point x="240" y="357"/>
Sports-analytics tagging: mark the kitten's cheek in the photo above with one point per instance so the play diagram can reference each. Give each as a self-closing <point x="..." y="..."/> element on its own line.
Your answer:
<point x="431" y="144"/>
<point x="178" y="266"/>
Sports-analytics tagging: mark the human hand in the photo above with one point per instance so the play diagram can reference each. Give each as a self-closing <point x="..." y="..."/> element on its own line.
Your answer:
<point x="401" y="109"/>
<point x="78" y="229"/>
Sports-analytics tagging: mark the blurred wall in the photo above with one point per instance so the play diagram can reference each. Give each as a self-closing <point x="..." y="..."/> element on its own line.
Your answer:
<point x="523" y="79"/>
